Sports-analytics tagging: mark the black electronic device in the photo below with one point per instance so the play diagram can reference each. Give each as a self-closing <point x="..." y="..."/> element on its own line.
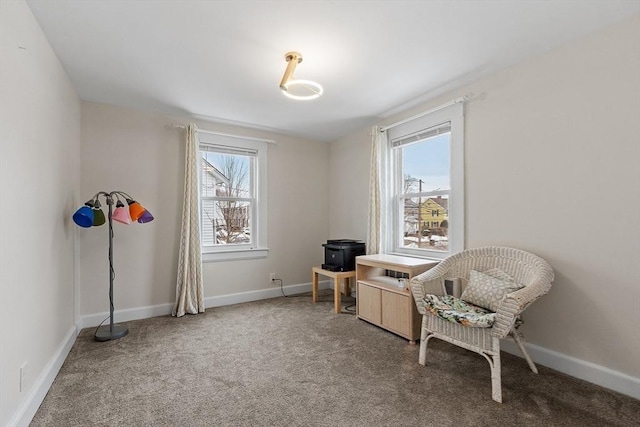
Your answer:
<point x="340" y="254"/>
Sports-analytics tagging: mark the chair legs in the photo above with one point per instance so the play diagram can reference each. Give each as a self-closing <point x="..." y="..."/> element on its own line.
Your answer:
<point x="496" y="374"/>
<point x="493" y="356"/>
<point x="517" y="337"/>
<point x="422" y="356"/>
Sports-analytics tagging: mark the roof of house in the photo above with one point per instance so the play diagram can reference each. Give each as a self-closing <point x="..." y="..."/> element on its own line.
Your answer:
<point x="441" y="201"/>
<point x="213" y="171"/>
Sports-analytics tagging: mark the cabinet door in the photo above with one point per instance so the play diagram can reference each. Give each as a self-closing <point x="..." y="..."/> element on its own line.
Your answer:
<point x="369" y="303"/>
<point x="396" y="312"/>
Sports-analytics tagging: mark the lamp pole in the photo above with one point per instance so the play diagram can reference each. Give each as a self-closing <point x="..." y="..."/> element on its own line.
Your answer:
<point x="111" y="332"/>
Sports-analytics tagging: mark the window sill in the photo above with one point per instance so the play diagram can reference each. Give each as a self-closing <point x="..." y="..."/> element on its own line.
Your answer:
<point x="430" y="255"/>
<point x="234" y="255"/>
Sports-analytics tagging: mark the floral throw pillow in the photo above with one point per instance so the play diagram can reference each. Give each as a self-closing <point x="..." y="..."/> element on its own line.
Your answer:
<point x="488" y="289"/>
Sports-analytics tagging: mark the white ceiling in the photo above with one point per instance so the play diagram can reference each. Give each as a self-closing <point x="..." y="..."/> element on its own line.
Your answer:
<point x="223" y="60"/>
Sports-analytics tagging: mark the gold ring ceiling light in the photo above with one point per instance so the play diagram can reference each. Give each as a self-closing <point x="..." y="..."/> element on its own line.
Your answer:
<point x="301" y="90"/>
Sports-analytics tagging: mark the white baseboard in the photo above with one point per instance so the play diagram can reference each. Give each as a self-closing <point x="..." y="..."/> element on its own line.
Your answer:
<point x="578" y="368"/>
<point x="261" y="294"/>
<point x="38" y="391"/>
<point x="128" y="314"/>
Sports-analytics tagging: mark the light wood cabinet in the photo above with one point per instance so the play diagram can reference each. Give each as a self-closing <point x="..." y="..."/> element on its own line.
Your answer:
<point x="383" y="296"/>
<point x="369" y="303"/>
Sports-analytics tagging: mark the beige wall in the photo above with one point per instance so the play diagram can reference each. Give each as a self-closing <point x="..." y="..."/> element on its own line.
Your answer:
<point x="547" y="142"/>
<point x="39" y="183"/>
<point x="558" y="134"/>
<point x="142" y="155"/>
<point x="349" y="186"/>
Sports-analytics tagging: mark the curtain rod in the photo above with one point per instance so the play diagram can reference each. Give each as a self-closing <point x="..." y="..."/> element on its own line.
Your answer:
<point x="424" y="113"/>
<point x="210" y="132"/>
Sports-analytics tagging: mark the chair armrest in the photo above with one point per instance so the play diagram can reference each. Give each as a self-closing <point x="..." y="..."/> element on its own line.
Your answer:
<point x="506" y="315"/>
<point x="526" y="296"/>
<point x="429" y="282"/>
<point x="515" y="303"/>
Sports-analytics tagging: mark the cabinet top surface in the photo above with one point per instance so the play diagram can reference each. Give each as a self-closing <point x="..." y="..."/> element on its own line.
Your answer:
<point x="395" y="260"/>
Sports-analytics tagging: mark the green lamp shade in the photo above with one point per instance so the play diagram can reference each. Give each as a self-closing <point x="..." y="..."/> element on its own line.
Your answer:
<point x="84" y="217"/>
<point x="98" y="217"/>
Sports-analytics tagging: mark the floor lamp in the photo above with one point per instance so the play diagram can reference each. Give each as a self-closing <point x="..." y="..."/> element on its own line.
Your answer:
<point x="91" y="215"/>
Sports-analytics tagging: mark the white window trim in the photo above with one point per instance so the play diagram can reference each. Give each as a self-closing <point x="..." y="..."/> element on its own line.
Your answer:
<point x="455" y="115"/>
<point x="259" y="247"/>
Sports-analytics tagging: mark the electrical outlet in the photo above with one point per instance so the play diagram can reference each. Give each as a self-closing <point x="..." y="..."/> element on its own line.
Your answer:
<point x="23" y="376"/>
<point x="272" y="276"/>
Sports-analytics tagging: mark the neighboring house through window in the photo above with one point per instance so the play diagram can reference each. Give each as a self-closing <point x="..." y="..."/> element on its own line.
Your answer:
<point x="426" y="182"/>
<point x="233" y="198"/>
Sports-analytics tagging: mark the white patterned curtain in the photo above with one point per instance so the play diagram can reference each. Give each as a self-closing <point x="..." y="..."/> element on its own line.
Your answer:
<point x="189" y="287"/>
<point x="377" y="192"/>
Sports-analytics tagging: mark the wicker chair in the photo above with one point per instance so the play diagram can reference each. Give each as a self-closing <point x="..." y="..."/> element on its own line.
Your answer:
<point x="525" y="268"/>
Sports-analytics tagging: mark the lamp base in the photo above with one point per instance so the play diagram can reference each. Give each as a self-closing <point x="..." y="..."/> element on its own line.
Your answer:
<point x="104" y="333"/>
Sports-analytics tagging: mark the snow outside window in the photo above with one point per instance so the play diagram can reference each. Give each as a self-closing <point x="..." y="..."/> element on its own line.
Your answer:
<point x="233" y="199"/>
<point x="427" y="182"/>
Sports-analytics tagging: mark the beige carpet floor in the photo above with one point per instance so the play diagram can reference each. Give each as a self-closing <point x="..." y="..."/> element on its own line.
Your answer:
<point x="288" y="362"/>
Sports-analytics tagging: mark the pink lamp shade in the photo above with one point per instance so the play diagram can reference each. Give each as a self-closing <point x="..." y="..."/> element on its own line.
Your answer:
<point x="121" y="215"/>
<point x="145" y="217"/>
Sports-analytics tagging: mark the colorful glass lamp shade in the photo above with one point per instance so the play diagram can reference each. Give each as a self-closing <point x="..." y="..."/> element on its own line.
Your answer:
<point x="120" y="214"/>
<point x="135" y="209"/>
<point x="145" y="217"/>
<point x="98" y="217"/>
<point x="98" y="214"/>
<point x="84" y="216"/>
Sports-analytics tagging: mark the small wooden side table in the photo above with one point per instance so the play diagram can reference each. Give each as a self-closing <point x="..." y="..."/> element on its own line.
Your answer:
<point x="337" y="276"/>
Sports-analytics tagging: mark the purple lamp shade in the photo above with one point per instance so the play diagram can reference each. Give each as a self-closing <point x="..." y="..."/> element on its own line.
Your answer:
<point x="121" y="215"/>
<point x="145" y="217"/>
<point x="84" y="216"/>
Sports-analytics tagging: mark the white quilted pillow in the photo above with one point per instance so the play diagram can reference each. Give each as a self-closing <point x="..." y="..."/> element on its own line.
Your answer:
<point x="488" y="289"/>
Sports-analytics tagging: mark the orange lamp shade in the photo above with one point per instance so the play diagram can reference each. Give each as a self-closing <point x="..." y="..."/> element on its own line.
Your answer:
<point x="135" y="210"/>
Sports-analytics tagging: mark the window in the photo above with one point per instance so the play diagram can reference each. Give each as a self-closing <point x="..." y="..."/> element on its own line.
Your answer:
<point x="427" y="184"/>
<point x="232" y="198"/>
